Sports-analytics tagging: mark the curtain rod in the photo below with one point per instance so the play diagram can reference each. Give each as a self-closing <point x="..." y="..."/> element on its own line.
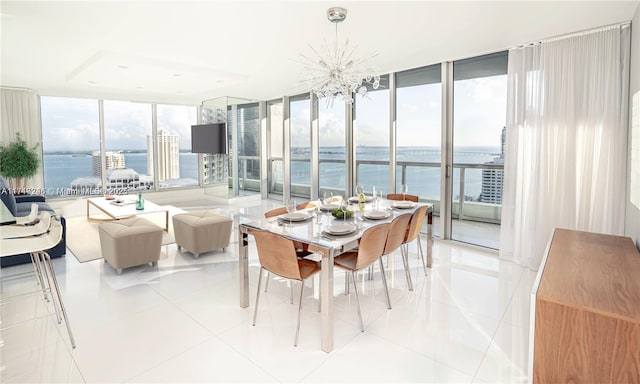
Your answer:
<point x="15" y="88"/>
<point x="625" y="24"/>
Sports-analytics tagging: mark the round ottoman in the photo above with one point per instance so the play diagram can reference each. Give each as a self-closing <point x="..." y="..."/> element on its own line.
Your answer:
<point x="202" y="231"/>
<point x="130" y="242"/>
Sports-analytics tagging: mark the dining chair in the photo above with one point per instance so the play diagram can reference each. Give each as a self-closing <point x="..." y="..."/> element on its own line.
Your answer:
<point x="395" y="238"/>
<point x="413" y="233"/>
<point x="302" y="249"/>
<point x="278" y="256"/>
<point x="370" y="248"/>
<point x="400" y="196"/>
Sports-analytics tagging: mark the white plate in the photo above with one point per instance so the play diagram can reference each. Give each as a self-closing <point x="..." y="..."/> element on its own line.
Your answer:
<point x="355" y="199"/>
<point x="341" y="229"/>
<point x="329" y="207"/>
<point x="295" y="216"/>
<point x="377" y="215"/>
<point x="403" y="204"/>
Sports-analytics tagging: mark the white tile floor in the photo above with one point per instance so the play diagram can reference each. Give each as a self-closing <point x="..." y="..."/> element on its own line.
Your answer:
<point x="466" y="322"/>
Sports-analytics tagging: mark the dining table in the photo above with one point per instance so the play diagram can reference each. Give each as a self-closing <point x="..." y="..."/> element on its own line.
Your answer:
<point x="314" y="227"/>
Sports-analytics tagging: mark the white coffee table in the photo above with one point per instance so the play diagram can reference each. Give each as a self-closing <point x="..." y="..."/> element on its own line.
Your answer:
<point x="123" y="211"/>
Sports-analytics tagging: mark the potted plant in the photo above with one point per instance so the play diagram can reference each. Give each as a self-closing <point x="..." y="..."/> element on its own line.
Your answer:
<point x="18" y="162"/>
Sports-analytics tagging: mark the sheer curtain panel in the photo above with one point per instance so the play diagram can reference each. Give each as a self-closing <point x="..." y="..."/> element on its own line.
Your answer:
<point x="565" y="161"/>
<point x="20" y="113"/>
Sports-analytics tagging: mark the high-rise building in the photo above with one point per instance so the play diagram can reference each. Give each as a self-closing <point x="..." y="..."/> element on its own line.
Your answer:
<point x="168" y="154"/>
<point x="493" y="179"/>
<point x="113" y="160"/>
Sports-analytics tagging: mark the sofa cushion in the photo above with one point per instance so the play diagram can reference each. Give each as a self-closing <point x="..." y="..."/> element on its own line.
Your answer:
<point x="23" y="209"/>
<point x="7" y="196"/>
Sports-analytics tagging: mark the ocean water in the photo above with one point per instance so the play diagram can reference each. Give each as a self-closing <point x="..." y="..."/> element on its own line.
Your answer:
<point x="61" y="170"/>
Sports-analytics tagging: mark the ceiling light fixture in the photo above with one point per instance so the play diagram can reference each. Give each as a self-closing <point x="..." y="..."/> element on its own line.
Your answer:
<point x="336" y="72"/>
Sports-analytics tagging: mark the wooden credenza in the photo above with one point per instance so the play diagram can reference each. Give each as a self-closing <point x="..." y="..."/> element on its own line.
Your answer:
<point x="586" y="310"/>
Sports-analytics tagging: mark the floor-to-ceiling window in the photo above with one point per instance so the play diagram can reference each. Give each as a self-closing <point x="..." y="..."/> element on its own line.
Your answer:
<point x="479" y="110"/>
<point x="248" y="133"/>
<point x="129" y="149"/>
<point x="177" y="166"/>
<point x="275" y="151"/>
<point x="331" y="143"/>
<point x="70" y="143"/>
<point x="418" y="133"/>
<point x="300" y="134"/>
<point x="371" y="138"/>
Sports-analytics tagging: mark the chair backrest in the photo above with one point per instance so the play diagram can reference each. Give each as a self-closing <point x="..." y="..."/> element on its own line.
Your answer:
<point x="397" y="233"/>
<point x="277" y="254"/>
<point x="275" y="212"/>
<point x="400" y="196"/>
<point x="306" y="205"/>
<point x="415" y="225"/>
<point x="283" y="210"/>
<point x="371" y="245"/>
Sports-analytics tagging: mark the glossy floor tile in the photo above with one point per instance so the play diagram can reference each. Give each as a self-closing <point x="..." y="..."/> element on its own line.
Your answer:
<point x="467" y="321"/>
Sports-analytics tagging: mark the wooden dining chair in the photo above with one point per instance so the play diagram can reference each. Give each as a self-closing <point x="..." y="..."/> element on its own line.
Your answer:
<point x="278" y="256"/>
<point x="413" y="233"/>
<point x="302" y="249"/>
<point x="370" y="249"/>
<point x="395" y="238"/>
<point x="400" y="196"/>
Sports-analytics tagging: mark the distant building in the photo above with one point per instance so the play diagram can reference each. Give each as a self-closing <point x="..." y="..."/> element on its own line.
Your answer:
<point x="493" y="179"/>
<point x="122" y="179"/>
<point x="167" y="153"/>
<point x="113" y="160"/>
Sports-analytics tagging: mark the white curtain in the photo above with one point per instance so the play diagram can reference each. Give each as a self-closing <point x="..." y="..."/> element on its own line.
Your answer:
<point x="565" y="161"/>
<point x="20" y="113"/>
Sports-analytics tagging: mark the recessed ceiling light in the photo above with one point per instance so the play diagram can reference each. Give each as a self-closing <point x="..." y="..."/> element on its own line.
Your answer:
<point x="219" y="81"/>
<point x="176" y="75"/>
<point x="179" y="92"/>
<point x="139" y="87"/>
<point x="92" y="82"/>
<point x="123" y="67"/>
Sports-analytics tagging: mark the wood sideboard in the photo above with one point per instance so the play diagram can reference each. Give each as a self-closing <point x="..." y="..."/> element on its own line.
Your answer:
<point x="586" y="310"/>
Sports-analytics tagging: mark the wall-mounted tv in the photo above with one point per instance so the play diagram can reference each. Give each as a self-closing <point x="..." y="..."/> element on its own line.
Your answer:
<point x="209" y="138"/>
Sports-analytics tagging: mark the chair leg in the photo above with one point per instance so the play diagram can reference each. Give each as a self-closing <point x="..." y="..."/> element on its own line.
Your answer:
<point x="424" y="264"/>
<point x="384" y="281"/>
<point x="355" y="289"/>
<point x="255" y="311"/>
<point x="266" y="283"/>
<point x="295" y="341"/>
<point x="346" y="283"/>
<point x="59" y="297"/>
<point x="291" y="291"/>
<point x="407" y="272"/>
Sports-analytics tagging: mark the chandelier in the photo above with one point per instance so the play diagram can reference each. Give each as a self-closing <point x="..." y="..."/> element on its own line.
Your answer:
<point x="334" y="71"/>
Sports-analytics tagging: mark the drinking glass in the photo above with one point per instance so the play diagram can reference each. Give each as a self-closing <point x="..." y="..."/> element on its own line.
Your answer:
<point x="291" y="207"/>
<point x="376" y="199"/>
<point x="405" y="190"/>
<point x="327" y="197"/>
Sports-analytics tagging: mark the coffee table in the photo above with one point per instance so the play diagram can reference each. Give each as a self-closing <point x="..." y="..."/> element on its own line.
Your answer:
<point x="125" y="210"/>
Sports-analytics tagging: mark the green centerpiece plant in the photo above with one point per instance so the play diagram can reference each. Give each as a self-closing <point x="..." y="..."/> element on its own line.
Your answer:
<point x="18" y="162"/>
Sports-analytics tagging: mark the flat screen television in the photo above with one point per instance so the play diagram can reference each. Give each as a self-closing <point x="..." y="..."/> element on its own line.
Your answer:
<point x="209" y="138"/>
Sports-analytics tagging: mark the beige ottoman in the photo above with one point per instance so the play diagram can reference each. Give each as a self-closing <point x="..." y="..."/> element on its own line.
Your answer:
<point x="202" y="231"/>
<point x="130" y="242"/>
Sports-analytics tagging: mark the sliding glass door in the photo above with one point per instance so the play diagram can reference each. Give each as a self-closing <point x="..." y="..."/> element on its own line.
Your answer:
<point x="332" y="148"/>
<point x="479" y="110"/>
<point x="418" y="133"/>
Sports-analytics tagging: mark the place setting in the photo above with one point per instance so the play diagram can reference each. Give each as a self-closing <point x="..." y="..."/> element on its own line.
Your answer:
<point x="293" y="216"/>
<point x="338" y="230"/>
<point x="403" y="204"/>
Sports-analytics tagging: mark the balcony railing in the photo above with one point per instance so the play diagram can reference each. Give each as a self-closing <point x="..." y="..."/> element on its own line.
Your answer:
<point x="463" y="207"/>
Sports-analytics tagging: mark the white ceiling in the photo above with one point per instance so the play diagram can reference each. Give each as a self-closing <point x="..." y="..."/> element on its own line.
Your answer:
<point x="186" y="52"/>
